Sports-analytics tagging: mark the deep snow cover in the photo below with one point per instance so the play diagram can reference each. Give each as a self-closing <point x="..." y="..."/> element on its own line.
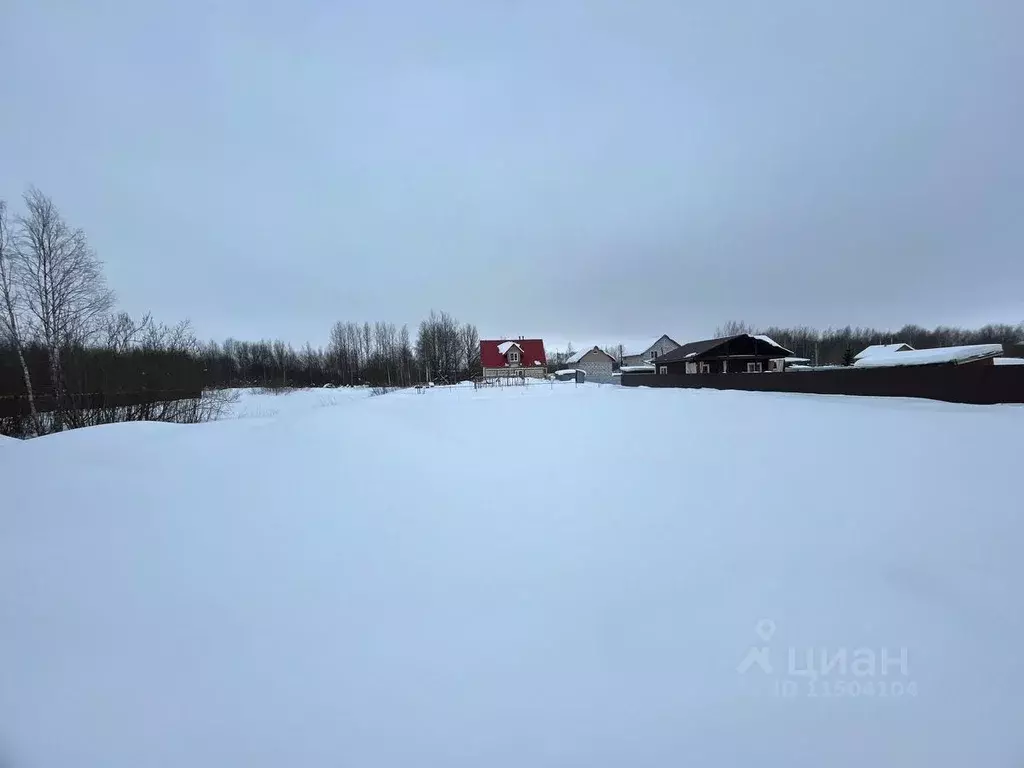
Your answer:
<point x="443" y="579"/>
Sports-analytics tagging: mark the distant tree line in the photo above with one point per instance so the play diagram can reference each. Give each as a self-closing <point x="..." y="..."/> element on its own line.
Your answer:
<point x="377" y="354"/>
<point x="837" y="346"/>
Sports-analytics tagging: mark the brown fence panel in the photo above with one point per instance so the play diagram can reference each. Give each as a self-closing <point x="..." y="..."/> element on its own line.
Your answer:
<point x="980" y="384"/>
<point x="18" y="405"/>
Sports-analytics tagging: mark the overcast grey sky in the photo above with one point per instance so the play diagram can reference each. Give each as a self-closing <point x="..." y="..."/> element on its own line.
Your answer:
<point x="590" y="170"/>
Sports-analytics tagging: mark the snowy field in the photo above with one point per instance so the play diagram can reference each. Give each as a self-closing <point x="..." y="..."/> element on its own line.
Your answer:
<point x="530" y="576"/>
<point x="254" y="404"/>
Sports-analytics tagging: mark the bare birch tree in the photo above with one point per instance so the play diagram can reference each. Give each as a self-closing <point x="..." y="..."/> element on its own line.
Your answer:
<point x="65" y="293"/>
<point x="11" y="297"/>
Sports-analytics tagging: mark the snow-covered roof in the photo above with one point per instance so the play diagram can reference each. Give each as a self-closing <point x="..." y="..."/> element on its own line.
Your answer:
<point x="583" y="353"/>
<point x="1009" y="361"/>
<point x="505" y="346"/>
<point x="567" y="371"/>
<point x="637" y="369"/>
<point x="963" y="354"/>
<point x="689" y="354"/>
<point x="795" y="359"/>
<point x="769" y="340"/>
<point x="883" y="349"/>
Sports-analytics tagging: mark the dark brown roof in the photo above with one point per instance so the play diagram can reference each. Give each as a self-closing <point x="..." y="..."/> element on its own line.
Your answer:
<point x="694" y="348"/>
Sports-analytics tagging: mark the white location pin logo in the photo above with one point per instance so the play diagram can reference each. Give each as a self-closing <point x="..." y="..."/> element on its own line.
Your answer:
<point x="765" y="629"/>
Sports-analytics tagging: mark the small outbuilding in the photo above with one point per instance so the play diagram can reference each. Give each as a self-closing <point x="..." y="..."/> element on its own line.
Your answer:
<point x="570" y="374"/>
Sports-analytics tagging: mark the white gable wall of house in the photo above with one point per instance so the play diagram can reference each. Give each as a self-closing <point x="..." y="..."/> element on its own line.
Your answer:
<point x="662" y="346"/>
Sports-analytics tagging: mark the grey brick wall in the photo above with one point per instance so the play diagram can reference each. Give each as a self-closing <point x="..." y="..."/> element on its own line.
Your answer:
<point x="598" y="367"/>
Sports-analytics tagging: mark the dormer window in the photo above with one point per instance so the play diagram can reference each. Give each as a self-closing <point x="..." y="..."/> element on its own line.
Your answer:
<point x="513" y="355"/>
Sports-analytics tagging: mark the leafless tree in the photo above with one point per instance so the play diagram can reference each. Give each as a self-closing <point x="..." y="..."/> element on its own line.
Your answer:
<point x="122" y="332"/>
<point x="66" y="296"/>
<point x="405" y="355"/>
<point x="470" y="340"/>
<point x="733" y="328"/>
<point x="11" y="298"/>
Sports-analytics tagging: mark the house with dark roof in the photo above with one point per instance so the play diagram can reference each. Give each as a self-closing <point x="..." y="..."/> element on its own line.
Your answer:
<point x="505" y="358"/>
<point x="742" y="353"/>
<point x="662" y="346"/>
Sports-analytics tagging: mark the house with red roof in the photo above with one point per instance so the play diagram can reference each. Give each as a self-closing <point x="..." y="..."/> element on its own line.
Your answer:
<point x="503" y="358"/>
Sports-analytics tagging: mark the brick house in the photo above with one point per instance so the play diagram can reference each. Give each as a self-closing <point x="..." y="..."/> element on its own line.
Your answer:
<point x="662" y="346"/>
<point x="594" y="362"/>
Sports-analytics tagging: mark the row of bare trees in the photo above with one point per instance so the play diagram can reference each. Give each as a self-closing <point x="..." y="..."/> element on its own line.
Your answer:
<point x="376" y="354"/>
<point x="446" y="350"/>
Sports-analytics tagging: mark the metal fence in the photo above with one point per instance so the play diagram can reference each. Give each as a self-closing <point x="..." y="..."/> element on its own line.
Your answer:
<point x="975" y="383"/>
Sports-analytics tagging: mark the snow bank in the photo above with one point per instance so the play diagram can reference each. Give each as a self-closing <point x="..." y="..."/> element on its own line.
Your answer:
<point x="1009" y="361"/>
<point x="383" y="584"/>
<point x="961" y="354"/>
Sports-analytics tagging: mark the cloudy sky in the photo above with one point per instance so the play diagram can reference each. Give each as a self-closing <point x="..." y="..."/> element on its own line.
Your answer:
<point x="585" y="170"/>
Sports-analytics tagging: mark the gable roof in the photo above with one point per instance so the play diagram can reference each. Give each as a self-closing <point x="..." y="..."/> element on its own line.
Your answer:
<point x="491" y="355"/>
<point x="584" y="352"/>
<point x="697" y="348"/>
<point x="964" y="354"/>
<point x="658" y="341"/>
<point x="882" y="349"/>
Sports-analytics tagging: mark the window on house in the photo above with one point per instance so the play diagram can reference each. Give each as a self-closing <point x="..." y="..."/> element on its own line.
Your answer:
<point x="513" y="356"/>
<point x="663" y="369"/>
<point x="753" y="367"/>
<point x="705" y="367"/>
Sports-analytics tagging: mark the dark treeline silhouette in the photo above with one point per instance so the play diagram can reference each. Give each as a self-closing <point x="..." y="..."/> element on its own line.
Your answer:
<point x="125" y="371"/>
<point x="836" y="346"/>
<point x="377" y="354"/>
